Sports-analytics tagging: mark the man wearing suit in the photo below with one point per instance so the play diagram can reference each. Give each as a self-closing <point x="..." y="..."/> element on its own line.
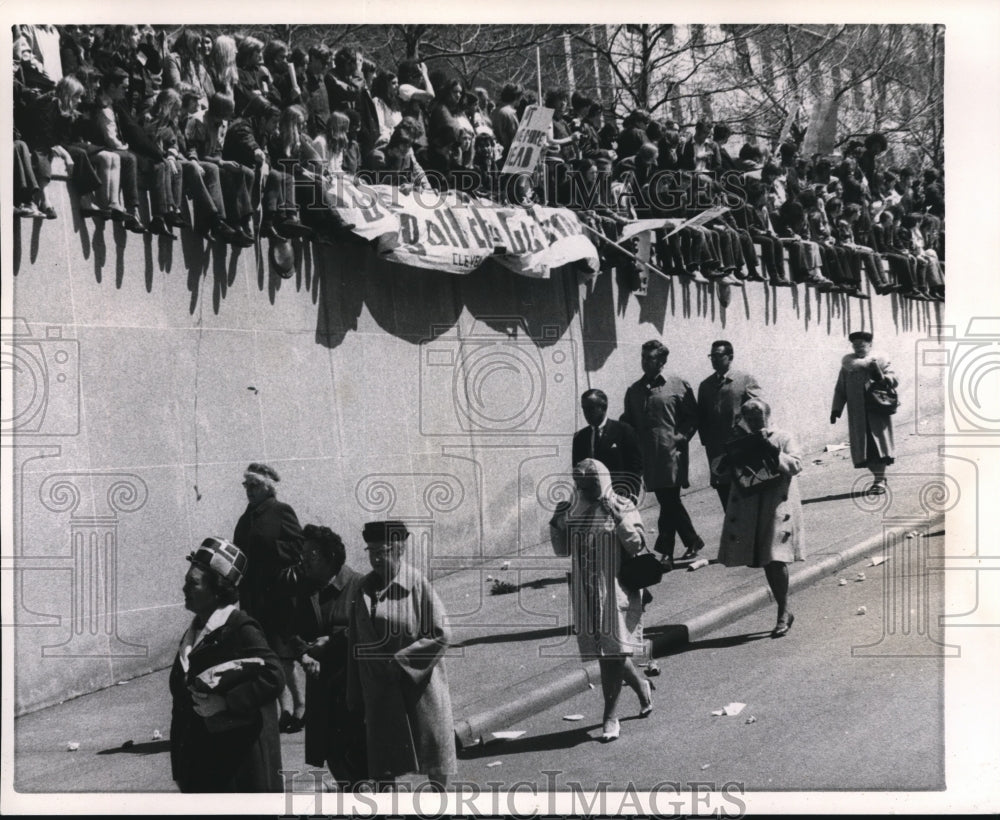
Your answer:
<point x="664" y="413"/>
<point x="613" y="443"/>
<point x="720" y="397"/>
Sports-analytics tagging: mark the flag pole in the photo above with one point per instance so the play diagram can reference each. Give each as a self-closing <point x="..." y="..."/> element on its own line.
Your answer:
<point x="544" y="165"/>
<point x="625" y="251"/>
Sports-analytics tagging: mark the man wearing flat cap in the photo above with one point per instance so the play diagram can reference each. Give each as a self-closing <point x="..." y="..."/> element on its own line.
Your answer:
<point x="870" y="431"/>
<point x="270" y="535"/>
<point x="397" y="638"/>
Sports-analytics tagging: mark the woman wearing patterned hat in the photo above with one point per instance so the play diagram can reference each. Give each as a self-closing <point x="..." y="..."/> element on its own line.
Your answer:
<point x="870" y="432"/>
<point x="397" y="638"/>
<point x="224" y="682"/>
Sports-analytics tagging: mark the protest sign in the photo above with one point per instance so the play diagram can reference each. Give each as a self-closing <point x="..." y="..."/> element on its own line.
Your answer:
<point x="529" y="141"/>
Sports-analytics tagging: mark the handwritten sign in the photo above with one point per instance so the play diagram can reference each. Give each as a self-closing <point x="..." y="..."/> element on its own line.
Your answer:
<point x="529" y="141"/>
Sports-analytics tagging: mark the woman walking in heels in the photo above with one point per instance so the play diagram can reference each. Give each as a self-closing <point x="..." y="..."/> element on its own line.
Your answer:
<point x="598" y="528"/>
<point x="763" y="526"/>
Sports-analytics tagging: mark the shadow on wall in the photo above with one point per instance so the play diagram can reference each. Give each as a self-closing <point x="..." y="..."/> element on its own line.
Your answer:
<point x="341" y="279"/>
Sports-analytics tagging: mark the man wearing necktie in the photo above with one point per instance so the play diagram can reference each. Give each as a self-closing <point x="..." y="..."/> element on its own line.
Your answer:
<point x="720" y="397"/>
<point x="664" y="413"/>
<point x="611" y="442"/>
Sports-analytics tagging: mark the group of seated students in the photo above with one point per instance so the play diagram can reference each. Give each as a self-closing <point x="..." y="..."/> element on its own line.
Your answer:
<point x="253" y="135"/>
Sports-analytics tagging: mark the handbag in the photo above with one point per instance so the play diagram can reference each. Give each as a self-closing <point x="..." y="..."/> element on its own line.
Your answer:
<point x="754" y="464"/>
<point x="881" y="398"/>
<point x="639" y="571"/>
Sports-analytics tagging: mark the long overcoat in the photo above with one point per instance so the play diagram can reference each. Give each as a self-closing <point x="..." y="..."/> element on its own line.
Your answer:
<point x="243" y="754"/>
<point x="271" y="538"/>
<point x="329" y="728"/>
<point x="396" y="674"/>
<point x="855" y="375"/>
<point x="765" y="525"/>
<point x="607" y="617"/>
<point x="664" y="414"/>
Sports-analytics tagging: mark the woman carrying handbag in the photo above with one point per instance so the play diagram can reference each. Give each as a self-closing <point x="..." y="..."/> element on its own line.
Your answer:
<point x="601" y="529"/>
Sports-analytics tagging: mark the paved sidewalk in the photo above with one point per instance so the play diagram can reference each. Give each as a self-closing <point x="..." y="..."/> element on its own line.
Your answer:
<point x="513" y="655"/>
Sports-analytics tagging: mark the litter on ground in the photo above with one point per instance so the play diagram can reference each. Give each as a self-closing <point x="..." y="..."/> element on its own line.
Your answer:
<point x="862" y="610"/>
<point x="511" y="734"/>
<point x="494" y="763"/>
<point x="572" y="717"/>
<point x="729" y="709"/>
<point x="72" y="746"/>
<point x="877" y="560"/>
<point x="842" y="582"/>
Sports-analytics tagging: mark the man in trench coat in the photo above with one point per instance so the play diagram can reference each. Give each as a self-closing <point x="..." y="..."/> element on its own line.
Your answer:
<point x="720" y="397"/>
<point x="663" y="412"/>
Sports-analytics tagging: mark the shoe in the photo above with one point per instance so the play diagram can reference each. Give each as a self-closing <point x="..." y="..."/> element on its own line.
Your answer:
<point x="96" y="213"/>
<point x="612" y="730"/>
<point x="177" y="219"/>
<point x="268" y="231"/>
<point x="241" y="239"/>
<point x="25" y="211"/>
<point x="730" y="280"/>
<point x="284" y="721"/>
<point x="292" y="227"/>
<point x="118" y="215"/>
<point x="295" y="724"/>
<point x="857" y="293"/>
<point x="783" y="625"/>
<point x="878" y="488"/>
<point x="47" y="211"/>
<point x="648" y="688"/>
<point x="782" y="282"/>
<point x="132" y="223"/>
<point x="652" y="669"/>
<point x="692" y="552"/>
<point x="667" y="562"/>
<point x="158" y="225"/>
<point x="755" y="277"/>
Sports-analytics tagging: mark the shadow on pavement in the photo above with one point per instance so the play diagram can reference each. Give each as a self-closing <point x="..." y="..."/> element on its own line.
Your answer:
<point x="820" y="498"/>
<point x="710" y="643"/>
<point x="537" y="743"/>
<point x="506" y="637"/>
<point x="151" y="748"/>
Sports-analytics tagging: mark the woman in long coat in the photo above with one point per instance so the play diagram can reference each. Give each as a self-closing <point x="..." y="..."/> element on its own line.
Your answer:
<point x="397" y="638"/>
<point x="763" y="525"/>
<point x="597" y="526"/>
<point x="225" y="683"/>
<point x="872" y="444"/>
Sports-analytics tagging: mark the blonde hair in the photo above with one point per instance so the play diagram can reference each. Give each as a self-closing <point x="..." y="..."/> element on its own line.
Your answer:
<point x="67" y="88"/>
<point x="223" y="60"/>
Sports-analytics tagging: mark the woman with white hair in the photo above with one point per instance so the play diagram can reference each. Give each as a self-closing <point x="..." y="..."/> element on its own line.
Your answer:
<point x="598" y="528"/>
<point x="763" y="526"/>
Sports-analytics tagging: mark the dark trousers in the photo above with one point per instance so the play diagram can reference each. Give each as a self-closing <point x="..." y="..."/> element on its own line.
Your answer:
<point x="25" y="184"/>
<point x="673" y="521"/>
<point x="723" y="491"/>
<point x="129" y="179"/>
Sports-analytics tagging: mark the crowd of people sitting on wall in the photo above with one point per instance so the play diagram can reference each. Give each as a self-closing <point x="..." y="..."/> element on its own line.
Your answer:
<point x="253" y="134"/>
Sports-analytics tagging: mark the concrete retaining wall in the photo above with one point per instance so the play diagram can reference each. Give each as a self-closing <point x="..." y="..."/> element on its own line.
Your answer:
<point x="155" y="371"/>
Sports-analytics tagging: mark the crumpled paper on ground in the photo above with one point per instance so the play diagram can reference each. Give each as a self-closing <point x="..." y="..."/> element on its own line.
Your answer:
<point x="729" y="709"/>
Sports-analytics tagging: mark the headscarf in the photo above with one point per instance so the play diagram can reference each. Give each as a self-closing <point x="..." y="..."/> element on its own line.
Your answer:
<point x="590" y="469"/>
